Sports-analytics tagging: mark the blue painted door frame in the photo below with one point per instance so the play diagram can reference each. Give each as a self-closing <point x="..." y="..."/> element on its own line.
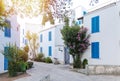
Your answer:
<point x="5" y="59"/>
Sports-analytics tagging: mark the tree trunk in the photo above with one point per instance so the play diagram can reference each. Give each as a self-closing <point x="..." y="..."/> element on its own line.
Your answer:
<point x="77" y="61"/>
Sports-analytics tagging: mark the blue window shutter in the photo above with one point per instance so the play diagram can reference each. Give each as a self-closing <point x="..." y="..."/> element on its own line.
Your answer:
<point x="41" y="50"/>
<point x="23" y="31"/>
<point x="50" y="36"/>
<point x="41" y="37"/>
<point x="79" y="22"/>
<point x="7" y="31"/>
<point x="95" y="50"/>
<point x="26" y="41"/>
<point x="92" y="24"/>
<point x="5" y="59"/>
<point x="10" y="32"/>
<point x="23" y="39"/>
<point x="50" y="51"/>
<point x="95" y="24"/>
<point x="84" y="12"/>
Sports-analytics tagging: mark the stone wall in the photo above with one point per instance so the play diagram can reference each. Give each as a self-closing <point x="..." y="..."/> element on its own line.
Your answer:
<point x="103" y="69"/>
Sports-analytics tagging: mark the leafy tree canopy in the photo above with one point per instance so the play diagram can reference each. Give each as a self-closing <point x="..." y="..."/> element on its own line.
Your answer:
<point x="49" y="9"/>
<point x="77" y="40"/>
<point x="4" y="12"/>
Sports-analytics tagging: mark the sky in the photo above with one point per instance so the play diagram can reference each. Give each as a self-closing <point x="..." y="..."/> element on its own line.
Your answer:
<point x="76" y="3"/>
<point x="85" y="3"/>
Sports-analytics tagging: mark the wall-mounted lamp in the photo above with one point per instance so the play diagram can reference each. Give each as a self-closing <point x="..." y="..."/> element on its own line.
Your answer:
<point x="60" y="50"/>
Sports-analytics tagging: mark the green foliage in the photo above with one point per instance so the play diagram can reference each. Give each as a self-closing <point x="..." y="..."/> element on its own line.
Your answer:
<point x="12" y="53"/>
<point x="2" y="7"/>
<point x="48" y="60"/>
<point x="16" y="59"/>
<point x="44" y="19"/>
<point x="30" y="64"/>
<point x="22" y="66"/>
<point x="3" y="15"/>
<point x="26" y="48"/>
<point x="84" y="63"/>
<point x="51" y="8"/>
<point x="32" y="43"/>
<point x="40" y="57"/>
<point x="12" y="68"/>
<point x="77" y="40"/>
<point x="22" y="55"/>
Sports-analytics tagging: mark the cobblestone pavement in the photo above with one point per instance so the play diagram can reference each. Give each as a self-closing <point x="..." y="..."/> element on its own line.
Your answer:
<point x="62" y="73"/>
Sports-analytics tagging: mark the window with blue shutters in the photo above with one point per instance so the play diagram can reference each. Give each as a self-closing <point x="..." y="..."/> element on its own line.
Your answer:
<point x="41" y="37"/>
<point x="23" y="40"/>
<point x="50" y="36"/>
<point x="7" y="30"/>
<point x="23" y="31"/>
<point x="50" y="51"/>
<point x="5" y="59"/>
<point x="79" y="22"/>
<point x="95" y="24"/>
<point x="41" y="50"/>
<point x="95" y="50"/>
<point x="84" y="12"/>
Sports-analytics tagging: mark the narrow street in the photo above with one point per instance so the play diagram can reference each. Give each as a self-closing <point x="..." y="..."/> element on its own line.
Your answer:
<point x="62" y="73"/>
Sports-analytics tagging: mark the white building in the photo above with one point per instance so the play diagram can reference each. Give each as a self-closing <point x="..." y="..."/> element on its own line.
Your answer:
<point x="9" y="35"/>
<point x="52" y="45"/>
<point x="51" y="42"/>
<point x="104" y="53"/>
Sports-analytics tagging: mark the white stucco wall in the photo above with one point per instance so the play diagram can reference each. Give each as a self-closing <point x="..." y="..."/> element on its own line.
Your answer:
<point x="21" y="22"/>
<point x="108" y="37"/>
<point x="57" y="42"/>
<point x="45" y="42"/>
<point x="14" y="39"/>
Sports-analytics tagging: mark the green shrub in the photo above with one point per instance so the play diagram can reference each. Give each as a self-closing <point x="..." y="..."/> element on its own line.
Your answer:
<point x="26" y="48"/>
<point x="30" y="64"/>
<point x="39" y="57"/>
<point x="22" y="66"/>
<point x="84" y="63"/>
<point x="12" y="69"/>
<point x="23" y="56"/>
<point x="16" y="60"/>
<point x="48" y="60"/>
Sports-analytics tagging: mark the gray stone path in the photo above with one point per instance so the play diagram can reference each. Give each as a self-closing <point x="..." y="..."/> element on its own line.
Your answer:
<point x="62" y="73"/>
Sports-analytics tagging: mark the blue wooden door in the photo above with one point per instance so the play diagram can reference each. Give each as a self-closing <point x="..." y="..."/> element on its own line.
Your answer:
<point x="66" y="56"/>
<point x="5" y="59"/>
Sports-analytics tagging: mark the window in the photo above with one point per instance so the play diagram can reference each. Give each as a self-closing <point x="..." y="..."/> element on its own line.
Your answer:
<point x="23" y="40"/>
<point x="23" y="31"/>
<point x="84" y="12"/>
<point x="41" y="38"/>
<point x="95" y="50"/>
<point x="41" y="50"/>
<point x="50" y="36"/>
<point x="79" y="22"/>
<point x="50" y="51"/>
<point x="7" y="31"/>
<point x="95" y="24"/>
<point x="5" y="59"/>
